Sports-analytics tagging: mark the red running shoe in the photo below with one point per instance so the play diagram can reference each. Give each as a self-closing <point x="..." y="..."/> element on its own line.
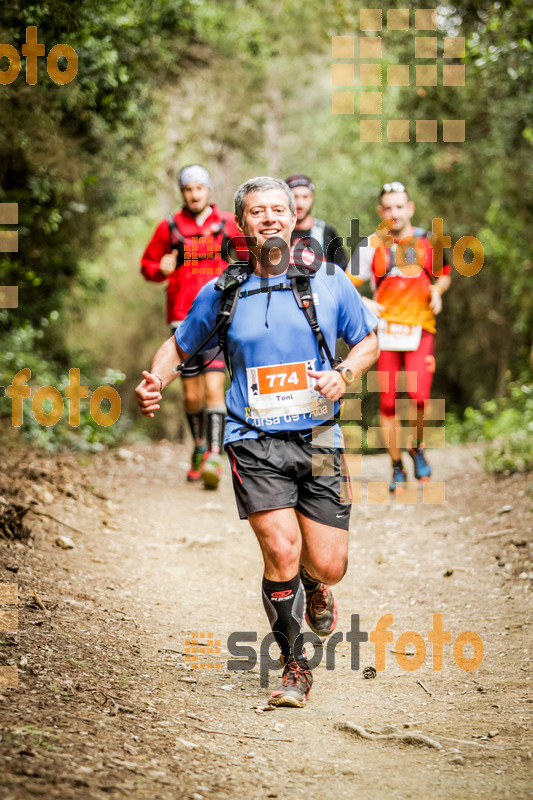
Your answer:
<point x="295" y="686"/>
<point x="198" y="457"/>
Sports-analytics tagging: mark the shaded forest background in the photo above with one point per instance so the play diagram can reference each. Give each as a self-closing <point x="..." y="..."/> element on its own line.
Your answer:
<point x="245" y="88"/>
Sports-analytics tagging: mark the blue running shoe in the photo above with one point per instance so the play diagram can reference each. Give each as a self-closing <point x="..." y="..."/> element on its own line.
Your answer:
<point x="399" y="477"/>
<point x="422" y="468"/>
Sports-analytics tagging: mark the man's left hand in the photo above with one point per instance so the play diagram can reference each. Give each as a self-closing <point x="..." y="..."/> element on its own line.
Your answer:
<point x="329" y="383"/>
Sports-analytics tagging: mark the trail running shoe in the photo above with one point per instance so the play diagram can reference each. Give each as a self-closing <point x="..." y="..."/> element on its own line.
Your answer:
<point x="321" y="610"/>
<point x="295" y="686"/>
<point x="399" y="477"/>
<point x="422" y="468"/>
<point x="212" y="471"/>
<point x="198" y="457"/>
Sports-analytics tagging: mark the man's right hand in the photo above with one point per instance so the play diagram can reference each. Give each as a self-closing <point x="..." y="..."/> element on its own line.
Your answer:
<point x="148" y="394"/>
<point x="167" y="265"/>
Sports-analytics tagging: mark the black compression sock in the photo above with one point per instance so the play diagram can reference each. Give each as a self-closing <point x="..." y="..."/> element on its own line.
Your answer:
<point x="196" y="420"/>
<point x="284" y="603"/>
<point x="215" y="429"/>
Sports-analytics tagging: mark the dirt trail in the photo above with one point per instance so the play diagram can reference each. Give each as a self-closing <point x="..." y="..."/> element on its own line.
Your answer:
<point x="108" y="706"/>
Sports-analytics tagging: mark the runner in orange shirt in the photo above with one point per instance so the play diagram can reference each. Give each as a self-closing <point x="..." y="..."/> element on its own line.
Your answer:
<point x="408" y="289"/>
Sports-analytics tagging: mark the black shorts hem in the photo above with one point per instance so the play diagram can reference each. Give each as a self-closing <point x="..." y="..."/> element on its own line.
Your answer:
<point x="243" y="514"/>
<point x="343" y="526"/>
<point x="215" y="368"/>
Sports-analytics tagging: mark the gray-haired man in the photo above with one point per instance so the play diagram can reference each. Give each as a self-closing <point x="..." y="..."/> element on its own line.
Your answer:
<point x="282" y="384"/>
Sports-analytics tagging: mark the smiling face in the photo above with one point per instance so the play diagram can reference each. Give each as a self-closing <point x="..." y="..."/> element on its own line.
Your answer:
<point x="196" y="197"/>
<point x="267" y="214"/>
<point x="396" y="205"/>
<point x="267" y="217"/>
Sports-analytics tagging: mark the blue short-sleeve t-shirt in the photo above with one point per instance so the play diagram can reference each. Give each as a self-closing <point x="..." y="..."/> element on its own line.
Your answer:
<point x="271" y="347"/>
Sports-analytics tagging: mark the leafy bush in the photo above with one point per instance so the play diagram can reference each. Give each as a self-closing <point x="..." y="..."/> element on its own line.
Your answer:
<point x="506" y="424"/>
<point x="510" y="454"/>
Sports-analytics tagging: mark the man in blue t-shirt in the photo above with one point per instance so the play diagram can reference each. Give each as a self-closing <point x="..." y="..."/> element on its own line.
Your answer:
<point x="286" y="463"/>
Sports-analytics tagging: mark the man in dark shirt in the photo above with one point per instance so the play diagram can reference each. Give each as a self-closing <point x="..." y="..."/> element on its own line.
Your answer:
<point x="309" y="227"/>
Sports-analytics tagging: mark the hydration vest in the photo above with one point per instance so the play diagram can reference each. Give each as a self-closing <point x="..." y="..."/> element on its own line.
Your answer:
<point x="418" y="233"/>
<point x="177" y="240"/>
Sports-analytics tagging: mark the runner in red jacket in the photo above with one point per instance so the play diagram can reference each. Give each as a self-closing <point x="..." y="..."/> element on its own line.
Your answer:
<point x="187" y="250"/>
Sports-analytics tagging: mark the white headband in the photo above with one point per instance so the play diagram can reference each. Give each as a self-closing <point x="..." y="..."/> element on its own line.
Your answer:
<point x="194" y="174"/>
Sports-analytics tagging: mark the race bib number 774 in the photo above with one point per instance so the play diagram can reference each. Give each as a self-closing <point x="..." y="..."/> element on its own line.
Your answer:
<point x="280" y="389"/>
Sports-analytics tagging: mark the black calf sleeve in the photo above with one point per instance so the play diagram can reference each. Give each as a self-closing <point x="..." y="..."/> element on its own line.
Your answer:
<point x="196" y="420"/>
<point x="284" y="603"/>
<point x="215" y="429"/>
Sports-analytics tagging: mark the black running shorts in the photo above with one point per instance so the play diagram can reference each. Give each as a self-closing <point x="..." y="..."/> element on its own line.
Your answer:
<point x="271" y="473"/>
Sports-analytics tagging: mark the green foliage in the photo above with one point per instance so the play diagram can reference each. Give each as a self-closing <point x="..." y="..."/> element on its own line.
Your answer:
<point x="506" y="424"/>
<point x="510" y="454"/>
<point x="21" y="352"/>
<point x="70" y="154"/>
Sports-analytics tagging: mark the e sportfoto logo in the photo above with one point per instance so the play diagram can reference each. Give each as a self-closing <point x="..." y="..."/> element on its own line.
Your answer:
<point x="410" y="648"/>
<point x="32" y="49"/>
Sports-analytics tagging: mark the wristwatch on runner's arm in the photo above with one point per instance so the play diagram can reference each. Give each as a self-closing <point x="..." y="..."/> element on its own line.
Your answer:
<point x="346" y="374"/>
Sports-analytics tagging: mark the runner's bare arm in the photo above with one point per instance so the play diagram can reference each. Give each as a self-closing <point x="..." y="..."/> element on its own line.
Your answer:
<point x="436" y="290"/>
<point x="148" y="392"/>
<point x="373" y="306"/>
<point x="331" y="384"/>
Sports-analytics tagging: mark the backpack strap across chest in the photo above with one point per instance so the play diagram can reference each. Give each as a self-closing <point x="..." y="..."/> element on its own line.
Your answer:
<point x="174" y="232"/>
<point x="317" y="231"/>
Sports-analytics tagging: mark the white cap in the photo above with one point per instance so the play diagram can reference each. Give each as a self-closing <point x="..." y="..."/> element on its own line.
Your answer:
<point x="194" y="173"/>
